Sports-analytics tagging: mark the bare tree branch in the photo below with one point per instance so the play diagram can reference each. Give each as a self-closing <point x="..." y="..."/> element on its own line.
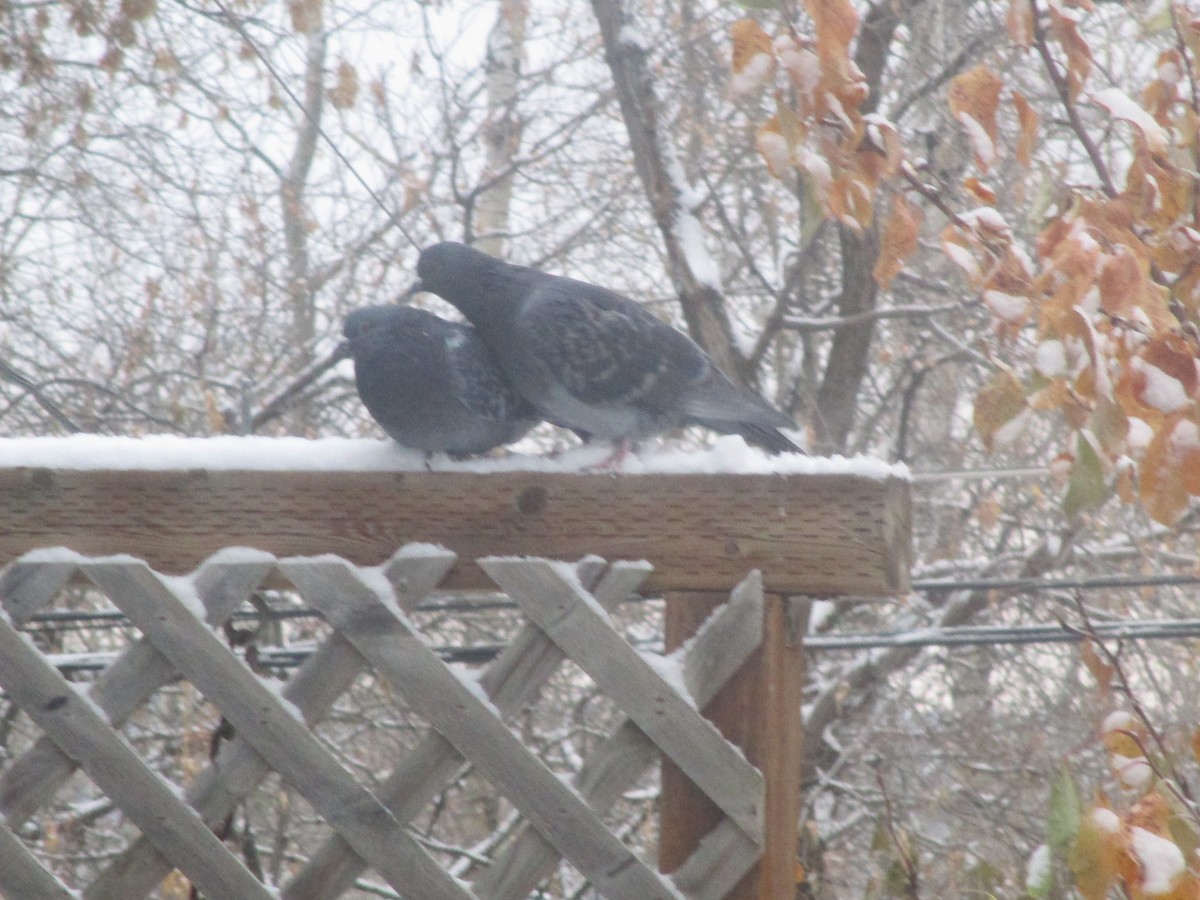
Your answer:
<point x="662" y="179"/>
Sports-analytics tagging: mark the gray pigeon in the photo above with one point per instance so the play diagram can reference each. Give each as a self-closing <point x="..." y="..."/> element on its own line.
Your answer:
<point x="592" y="360"/>
<point x="432" y="384"/>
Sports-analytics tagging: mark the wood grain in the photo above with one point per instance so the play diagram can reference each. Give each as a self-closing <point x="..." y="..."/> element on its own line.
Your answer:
<point x="808" y="534"/>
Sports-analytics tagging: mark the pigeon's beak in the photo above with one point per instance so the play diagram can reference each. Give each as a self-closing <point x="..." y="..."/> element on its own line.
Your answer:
<point x="342" y="351"/>
<point x="417" y="288"/>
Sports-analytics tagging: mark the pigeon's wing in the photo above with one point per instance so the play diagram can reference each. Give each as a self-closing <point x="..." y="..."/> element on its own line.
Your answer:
<point x="603" y="348"/>
<point x="477" y="382"/>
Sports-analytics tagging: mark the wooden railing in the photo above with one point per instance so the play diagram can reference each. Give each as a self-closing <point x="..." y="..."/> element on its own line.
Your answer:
<point x="729" y="813"/>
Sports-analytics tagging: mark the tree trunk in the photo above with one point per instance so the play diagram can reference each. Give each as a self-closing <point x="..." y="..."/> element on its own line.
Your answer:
<point x="692" y="273"/>
<point x="502" y="133"/>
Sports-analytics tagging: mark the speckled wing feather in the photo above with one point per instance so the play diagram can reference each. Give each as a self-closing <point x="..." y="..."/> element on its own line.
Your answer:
<point x="603" y="348"/>
<point x="477" y="382"/>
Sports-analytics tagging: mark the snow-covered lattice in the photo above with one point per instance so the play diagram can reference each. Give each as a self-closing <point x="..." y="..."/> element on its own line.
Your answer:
<point x="566" y="609"/>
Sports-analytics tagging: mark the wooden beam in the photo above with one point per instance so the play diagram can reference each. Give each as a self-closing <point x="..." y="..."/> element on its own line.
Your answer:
<point x="808" y="534"/>
<point x="759" y="710"/>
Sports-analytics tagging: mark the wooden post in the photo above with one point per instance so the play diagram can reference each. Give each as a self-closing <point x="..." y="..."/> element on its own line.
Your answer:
<point x="759" y="710"/>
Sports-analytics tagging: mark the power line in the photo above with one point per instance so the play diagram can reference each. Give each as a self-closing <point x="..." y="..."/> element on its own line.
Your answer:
<point x="995" y="635"/>
<point x="1033" y="585"/>
<point x="468" y="603"/>
<point x="290" y="656"/>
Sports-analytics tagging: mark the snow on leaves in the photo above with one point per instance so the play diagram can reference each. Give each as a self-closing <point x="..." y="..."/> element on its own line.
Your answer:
<point x="1109" y="289"/>
<point x="818" y="128"/>
<point x="974" y="99"/>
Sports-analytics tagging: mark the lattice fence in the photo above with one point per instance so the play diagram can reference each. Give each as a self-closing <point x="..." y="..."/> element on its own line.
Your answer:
<point x="566" y="609"/>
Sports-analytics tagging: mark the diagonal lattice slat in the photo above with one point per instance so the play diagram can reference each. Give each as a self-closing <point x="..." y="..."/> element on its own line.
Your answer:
<point x="719" y="649"/>
<point x="364" y="606"/>
<point x="512" y="680"/>
<point x="33" y="779"/>
<point x="21" y="875"/>
<point x="366" y="615"/>
<point x="278" y="736"/>
<point x="560" y="606"/>
<point x="416" y="569"/>
<point x="80" y="729"/>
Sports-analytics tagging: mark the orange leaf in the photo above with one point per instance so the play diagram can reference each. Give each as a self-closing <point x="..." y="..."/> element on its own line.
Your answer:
<point x="835" y="23"/>
<point x="1109" y="425"/>
<point x="1163" y="492"/>
<point x="773" y="147"/>
<point x="1101" y="671"/>
<point x="899" y="239"/>
<point x="997" y="404"/>
<point x="1028" y="118"/>
<point x="1120" y="282"/>
<point x="1173" y="355"/>
<point x="1096" y="856"/>
<point x="1079" y="55"/>
<point x="974" y="98"/>
<point x="749" y="40"/>
<point x="753" y="56"/>
<point x="1020" y="23"/>
<point x="979" y="190"/>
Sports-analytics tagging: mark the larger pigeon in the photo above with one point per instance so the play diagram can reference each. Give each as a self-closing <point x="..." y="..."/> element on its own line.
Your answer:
<point x="592" y="360"/>
<point x="432" y="384"/>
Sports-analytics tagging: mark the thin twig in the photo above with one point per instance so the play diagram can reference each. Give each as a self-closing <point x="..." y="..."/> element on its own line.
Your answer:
<point x="1064" y="94"/>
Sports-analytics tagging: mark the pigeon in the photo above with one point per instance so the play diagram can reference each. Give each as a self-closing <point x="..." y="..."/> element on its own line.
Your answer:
<point x="432" y="384"/>
<point x="592" y="360"/>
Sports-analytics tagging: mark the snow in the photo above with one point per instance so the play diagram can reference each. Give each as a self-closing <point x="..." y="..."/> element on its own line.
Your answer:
<point x="815" y="165"/>
<point x="801" y="63"/>
<point x="1185" y="435"/>
<point x="1011" y="430"/>
<point x="417" y="549"/>
<point x="670" y="670"/>
<point x="691" y="242"/>
<point x="752" y="75"/>
<point x="1037" y="870"/>
<point x="1132" y="771"/>
<point x="470" y="681"/>
<point x="1106" y="820"/>
<point x="981" y="142"/>
<point x="984" y="218"/>
<point x="185" y="592"/>
<point x="569" y="573"/>
<point x="1162" y="391"/>
<point x="631" y="37"/>
<point x="277" y="688"/>
<point x="1009" y="307"/>
<point x="240" y="556"/>
<point x="774" y="148"/>
<point x="82" y="690"/>
<point x="1118" y="720"/>
<point x="44" y="556"/>
<point x="1162" y="861"/>
<point x="728" y="455"/>
<point x="1121" y="106"/>
<point x="1050" y="358"/>
<point x="962" y="257"/>
<point x="687" y="226"/>
<point x="819" y="614"/>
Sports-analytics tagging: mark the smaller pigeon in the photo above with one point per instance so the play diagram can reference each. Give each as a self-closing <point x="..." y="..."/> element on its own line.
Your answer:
<point x="592" y="360"/>
<point x="432" y="384"/>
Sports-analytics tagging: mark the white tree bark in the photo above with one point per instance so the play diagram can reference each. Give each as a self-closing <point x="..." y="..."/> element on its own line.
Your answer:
<point x="502" y="132"/>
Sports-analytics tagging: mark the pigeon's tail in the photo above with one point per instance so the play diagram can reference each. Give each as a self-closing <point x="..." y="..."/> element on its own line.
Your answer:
<point x="767" y="437"/>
